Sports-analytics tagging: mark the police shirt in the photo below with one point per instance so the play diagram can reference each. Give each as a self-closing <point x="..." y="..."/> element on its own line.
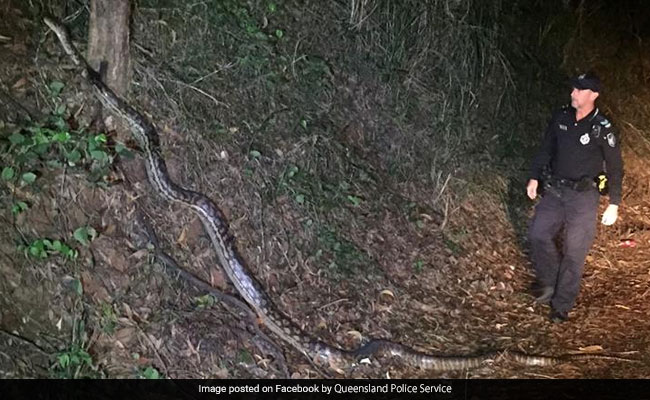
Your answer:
<point x="577" y="149"/>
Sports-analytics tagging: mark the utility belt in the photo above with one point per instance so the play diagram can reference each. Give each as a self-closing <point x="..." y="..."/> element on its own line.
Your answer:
<point x="581" y="185"/>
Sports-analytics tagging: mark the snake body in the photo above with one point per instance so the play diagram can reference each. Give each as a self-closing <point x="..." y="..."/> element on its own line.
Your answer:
<point x="248" y="288"/>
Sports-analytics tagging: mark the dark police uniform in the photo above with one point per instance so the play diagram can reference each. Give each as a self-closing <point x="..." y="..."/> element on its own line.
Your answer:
<point x="576" y="152"/>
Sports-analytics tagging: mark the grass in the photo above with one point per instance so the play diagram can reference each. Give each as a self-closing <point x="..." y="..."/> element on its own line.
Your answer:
<point x="342" y="257"/>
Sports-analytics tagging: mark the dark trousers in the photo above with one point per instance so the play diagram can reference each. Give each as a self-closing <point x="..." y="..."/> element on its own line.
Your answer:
<point x="577" y="212"/>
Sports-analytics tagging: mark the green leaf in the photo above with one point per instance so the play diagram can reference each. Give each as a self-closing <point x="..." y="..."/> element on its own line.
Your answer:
<point x="354" y="200"/>
<point x="78" y="287"/>
<point x="60" y="109"/>
<point x="61" y="137"/>
<point x="73" y="157"/>
<point x="255" y="154"/>
<point x="85" y="234"/>
<point x="60" y="123"/>
<point x="205" y="301"/>
<point x="56" y="245"/>
<point x="303" y="123"/>
<point x="8" y="173"/>
<point x="120" y="148"/>
<point x="19" y="207"/>
<point x="101" y="138"/>
<point x="67" y="251"/>
<point x="151" y="373"/>
<point x="29" y="156"/>
<point x="272" y="7"/>
<point x="293" y="170"/>
<point x="99" y="155"/>
<point x="300" y="199"/>
<point x="63" y="360"/>
<point x="54" y="164"/>
<point x="123" y="151"/>
<point x="37" y="249"/>
<point x="41" y="148"/>
<point x="56" y="87"/>
<point x="279" y="33"/>
<point x="28" y="177"/>
<point x="16" y="138"/>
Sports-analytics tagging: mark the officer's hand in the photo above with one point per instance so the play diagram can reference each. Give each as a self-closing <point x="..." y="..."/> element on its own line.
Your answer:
<point x="610" y="215"/>
<point x="531" y="189"/>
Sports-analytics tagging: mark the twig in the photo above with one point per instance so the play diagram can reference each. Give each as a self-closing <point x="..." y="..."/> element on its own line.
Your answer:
<point x="155" y="350"/>
<point x="539" y="375"/>
<point x="26" y="341"/>
<point x="332" y="303"/>
<point x="203" y="92"/>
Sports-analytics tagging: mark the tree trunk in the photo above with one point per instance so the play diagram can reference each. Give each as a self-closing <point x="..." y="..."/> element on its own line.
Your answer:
<point x="108" y="42"/>
<point x="108" y="53"/>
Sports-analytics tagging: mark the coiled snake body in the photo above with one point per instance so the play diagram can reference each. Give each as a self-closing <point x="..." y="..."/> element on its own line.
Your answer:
<point x="248" y="288"/>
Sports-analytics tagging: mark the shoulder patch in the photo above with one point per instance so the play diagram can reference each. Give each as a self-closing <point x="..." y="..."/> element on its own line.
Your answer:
<point x="611" y="139"/>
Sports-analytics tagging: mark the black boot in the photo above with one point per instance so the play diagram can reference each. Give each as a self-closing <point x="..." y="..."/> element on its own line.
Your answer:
<point x="558" y="316"/>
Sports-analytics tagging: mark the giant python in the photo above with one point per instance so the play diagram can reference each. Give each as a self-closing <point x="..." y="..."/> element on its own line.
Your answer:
<point x="248" y="288"/>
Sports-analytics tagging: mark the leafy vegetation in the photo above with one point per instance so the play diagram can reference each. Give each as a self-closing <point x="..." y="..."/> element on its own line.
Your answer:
<point x="38" y="147"/>
<point x="75" y="362"/>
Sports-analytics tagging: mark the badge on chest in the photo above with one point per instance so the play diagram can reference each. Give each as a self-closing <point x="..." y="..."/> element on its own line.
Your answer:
<point x="584" y="139"/>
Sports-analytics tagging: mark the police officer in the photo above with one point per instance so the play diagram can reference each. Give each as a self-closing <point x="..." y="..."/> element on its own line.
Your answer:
<point x="579" y="144"/>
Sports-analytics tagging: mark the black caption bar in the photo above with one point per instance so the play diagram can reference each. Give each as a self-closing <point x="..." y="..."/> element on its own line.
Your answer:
<point x="312" y="389"/>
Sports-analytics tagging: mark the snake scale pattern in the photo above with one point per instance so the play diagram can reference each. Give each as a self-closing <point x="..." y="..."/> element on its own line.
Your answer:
<point x="248" y="288"/>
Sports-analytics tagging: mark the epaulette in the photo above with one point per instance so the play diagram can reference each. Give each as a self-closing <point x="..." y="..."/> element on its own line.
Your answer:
<point x="603" y="121"/>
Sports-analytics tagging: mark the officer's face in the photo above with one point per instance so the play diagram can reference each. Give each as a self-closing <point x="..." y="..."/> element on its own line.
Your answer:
<point x="583" y="98"/>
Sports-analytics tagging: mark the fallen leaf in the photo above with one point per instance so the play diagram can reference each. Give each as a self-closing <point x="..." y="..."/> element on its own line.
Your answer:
<point x="221" y="373"/>
<point x="622" y="306"/>
<point x="386" y="293"/>
<point x="217" y="279"/>
<point x="155" y="341"/>
<point x="110" y="229"/>
<point x="93" y="288"/>
<point x="125" y="335"/>
<point x="19" y="83"/>
<point x="182" y="237"/>
<point x="591" y="349"/>
<point x="127" y="310"/>
<point x="140" y="254"/>
<point x="356" y="334"/>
